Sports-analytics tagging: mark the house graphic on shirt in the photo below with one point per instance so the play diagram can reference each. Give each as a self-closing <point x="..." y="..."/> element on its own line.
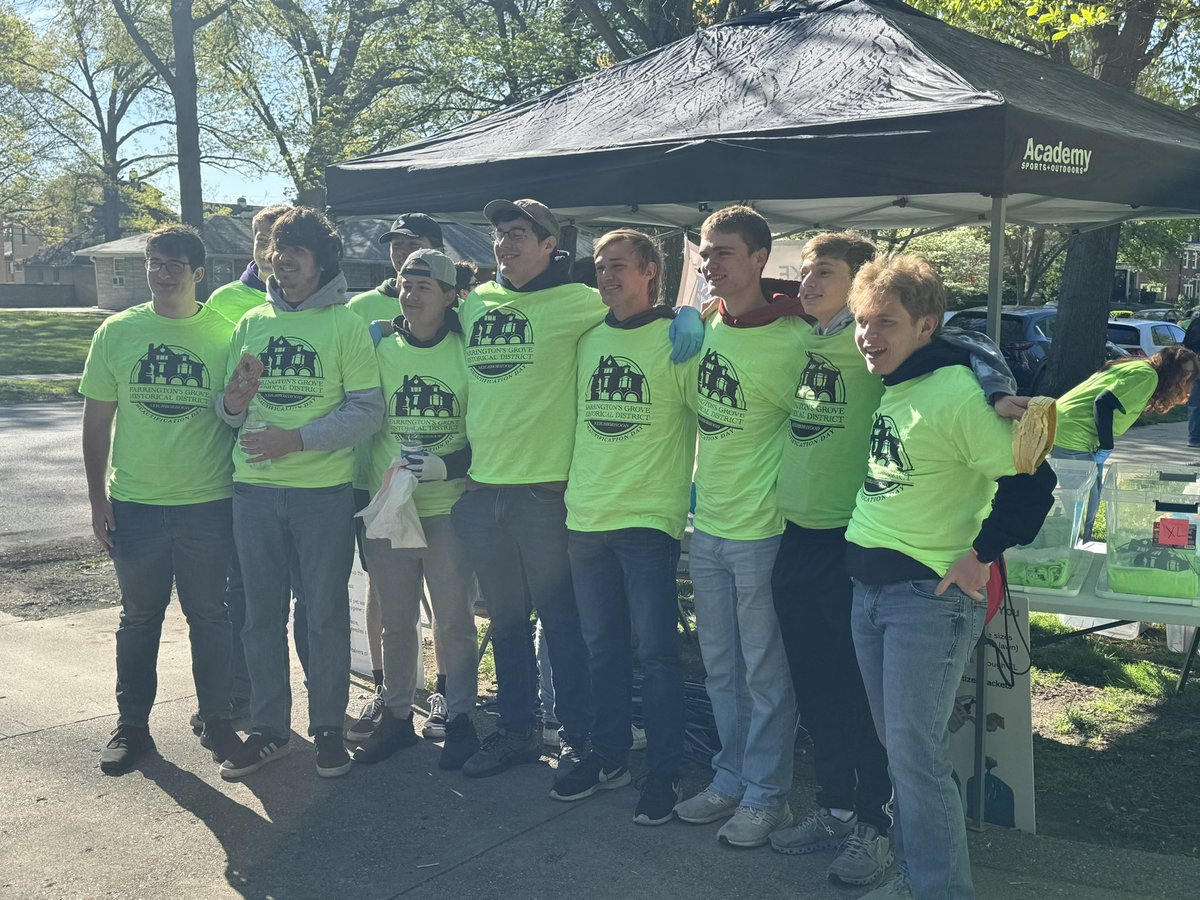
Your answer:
<point x="717" y="380"/>
<point x="618" y="378"/>
<point x="887" y="451"/>
<point x="501" y="326"/>
<point x="420" y="395"/>
<point x="164" y="364"/>
<point x="821" y="380"/>
<point x="289" y="357"/>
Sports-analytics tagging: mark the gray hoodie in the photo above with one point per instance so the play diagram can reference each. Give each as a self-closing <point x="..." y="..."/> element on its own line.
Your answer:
<point x="361" y="413"/>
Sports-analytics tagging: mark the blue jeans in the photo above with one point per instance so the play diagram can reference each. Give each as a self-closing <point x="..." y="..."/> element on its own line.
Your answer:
<point x="912" y="648"/>
<point x="623" y="577"/>
<point x="746" y="668"/>
<point x="1093" y="505"/>
<point x="314" y="527"/>
<point x="516" y="540"/>
<point x="153" y="547"/>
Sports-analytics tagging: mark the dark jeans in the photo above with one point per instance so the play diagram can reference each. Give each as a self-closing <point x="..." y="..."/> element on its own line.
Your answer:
<point x="623" y="577"/>
<point x="813" y="599"/>
<point x="153" y="547"/>
<point x="235" y="601"/>
<point x="516" y="540"/>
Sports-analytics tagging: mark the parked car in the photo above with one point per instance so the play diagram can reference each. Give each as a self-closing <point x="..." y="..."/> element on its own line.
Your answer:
<point x="1143" y="337"/>
<point x="1164" y="314"/>
<point x="1024" y="339"/>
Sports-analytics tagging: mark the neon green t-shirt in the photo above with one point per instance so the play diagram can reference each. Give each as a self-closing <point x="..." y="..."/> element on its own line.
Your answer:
<point x="825" y="450"/>
<point x="936" y="450"/>
<point x="1133" y="383"/>
<point x="744" y="385"/>
<point x="370" y="306"/>
<point x="425" y="393"/>
<point x="635" y="436"/>
<point x="169" y="448"/>
<point x="235" y="299"/>
<point x="521" y="356"/>
<point x="312" y="359"/>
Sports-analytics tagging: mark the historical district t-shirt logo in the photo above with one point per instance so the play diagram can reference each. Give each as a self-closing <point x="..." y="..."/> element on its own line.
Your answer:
<point x="722" y="402"/>
<point x="424" y="411"/>
<point x="169" y="383"/>
<point x="887" y="450"/>
<point x="819" y="406"/>
<point x="292" y="373"/>
<point x="501" y="344"/>
<point x="618" y="399"/>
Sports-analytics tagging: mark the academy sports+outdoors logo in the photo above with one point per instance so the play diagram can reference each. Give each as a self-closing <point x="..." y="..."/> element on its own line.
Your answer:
<point x="1057" y="158"/>
<point x="500" y="345"/>
<point x="170" y="383"/>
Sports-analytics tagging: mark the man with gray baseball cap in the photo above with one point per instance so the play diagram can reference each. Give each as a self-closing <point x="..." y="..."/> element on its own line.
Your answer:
<point x="522" y="332"/>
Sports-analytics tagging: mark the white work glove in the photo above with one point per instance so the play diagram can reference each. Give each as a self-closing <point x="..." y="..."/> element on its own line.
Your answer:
<point x="425" y="465"/>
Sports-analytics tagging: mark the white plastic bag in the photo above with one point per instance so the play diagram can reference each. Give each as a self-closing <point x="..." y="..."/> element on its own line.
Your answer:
<point x="392" y="515"/>
<point x="1179" y="638"/>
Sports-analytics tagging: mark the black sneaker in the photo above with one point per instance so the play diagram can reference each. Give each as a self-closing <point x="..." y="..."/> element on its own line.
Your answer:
<point x="257" y="750"/>
<point x="367" y="720"/>
<point x="127" y="744"/>
<point x="500" y="750"/>
<point x="332" y="758"/>
<point x="657" y="804"/>
<point x="572" y="750"/>
<point x="221" y="739"/>
<point x="391" y="734"/>
<point x="589" y="776"/>
<point x="439" y="717"/>
<point x="461" y="743"/>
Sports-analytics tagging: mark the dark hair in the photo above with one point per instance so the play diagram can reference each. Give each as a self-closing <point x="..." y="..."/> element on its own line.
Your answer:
<point x="744" y="222"/>
<point x="538" y="230"/>
<point x="854" y="249"/>
<point x="269" y="215"/>
<point x="1177" y="368"/>
<point x="466" y="272"/>
<point x="177" y="241"/>
<point x="305" y="227"/>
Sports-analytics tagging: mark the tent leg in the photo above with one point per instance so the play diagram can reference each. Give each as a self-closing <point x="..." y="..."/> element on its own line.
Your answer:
<point x="996" y="268"/>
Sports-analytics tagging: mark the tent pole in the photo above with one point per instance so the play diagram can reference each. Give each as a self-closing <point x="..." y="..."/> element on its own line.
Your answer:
<point x="996" y="268"/>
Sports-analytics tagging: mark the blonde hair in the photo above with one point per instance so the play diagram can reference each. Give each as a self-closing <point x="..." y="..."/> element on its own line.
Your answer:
<point x="911" y="278"/>
<point x="852" y="247"/>
<point x="646" y="251"/>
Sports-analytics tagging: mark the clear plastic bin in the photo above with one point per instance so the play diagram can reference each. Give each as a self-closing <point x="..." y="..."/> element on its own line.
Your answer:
<point x="1054" y="555"/>
<point x="1153" y="515"/>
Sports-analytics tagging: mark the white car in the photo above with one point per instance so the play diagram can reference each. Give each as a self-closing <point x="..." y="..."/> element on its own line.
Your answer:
<point x="1143" y="337"/>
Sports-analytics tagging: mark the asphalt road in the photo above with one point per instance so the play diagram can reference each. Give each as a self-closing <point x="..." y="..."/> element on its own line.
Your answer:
<point x="44" y="499"/>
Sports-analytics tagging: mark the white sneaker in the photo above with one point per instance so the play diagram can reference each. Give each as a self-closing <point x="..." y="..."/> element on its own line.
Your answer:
<point x="707" y="806"/>
<point x="751" y="826"/>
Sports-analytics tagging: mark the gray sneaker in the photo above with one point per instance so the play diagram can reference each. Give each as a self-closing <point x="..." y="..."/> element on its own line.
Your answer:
<point x="897" y="887"/>
<point x="500" y="750"/>
<point x="819" y="830"/>
<point x="707" y="806"/>
<point x="751" y="826"/>
<point x="863" y="857"/>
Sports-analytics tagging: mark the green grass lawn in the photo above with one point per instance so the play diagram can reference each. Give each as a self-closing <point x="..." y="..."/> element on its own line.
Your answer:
<point x="39" y="343"/>
<point x="38" y="391"/>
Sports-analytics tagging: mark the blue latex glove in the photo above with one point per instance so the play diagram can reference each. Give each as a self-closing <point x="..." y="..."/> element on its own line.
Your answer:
<point x="425" y="465"/>
<point x="379" y="330"/>
<point x="686" y="333"/>
<point x="1100" y="457"/>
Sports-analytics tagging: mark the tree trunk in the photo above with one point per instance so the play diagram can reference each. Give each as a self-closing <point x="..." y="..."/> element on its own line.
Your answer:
<point x="187" y="122"/>
<point x="1081" y="326"/>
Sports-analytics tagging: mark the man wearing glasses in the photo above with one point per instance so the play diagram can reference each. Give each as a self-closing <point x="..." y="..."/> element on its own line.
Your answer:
<point x="164" y="513"/>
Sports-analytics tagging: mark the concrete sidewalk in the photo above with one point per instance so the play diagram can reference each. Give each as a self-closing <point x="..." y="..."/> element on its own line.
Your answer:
<point x="175" y="829"/>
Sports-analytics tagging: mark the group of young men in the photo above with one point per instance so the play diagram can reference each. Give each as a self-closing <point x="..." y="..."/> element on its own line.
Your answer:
<point x="852" y="483"/>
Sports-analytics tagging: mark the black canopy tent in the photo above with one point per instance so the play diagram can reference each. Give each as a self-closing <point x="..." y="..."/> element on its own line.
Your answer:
<point x="864" y="113"/>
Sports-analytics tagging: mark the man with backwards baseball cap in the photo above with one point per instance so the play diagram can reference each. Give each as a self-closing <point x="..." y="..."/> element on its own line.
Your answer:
<point x="409" y="233"/>
<point x="522" y="332"/>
